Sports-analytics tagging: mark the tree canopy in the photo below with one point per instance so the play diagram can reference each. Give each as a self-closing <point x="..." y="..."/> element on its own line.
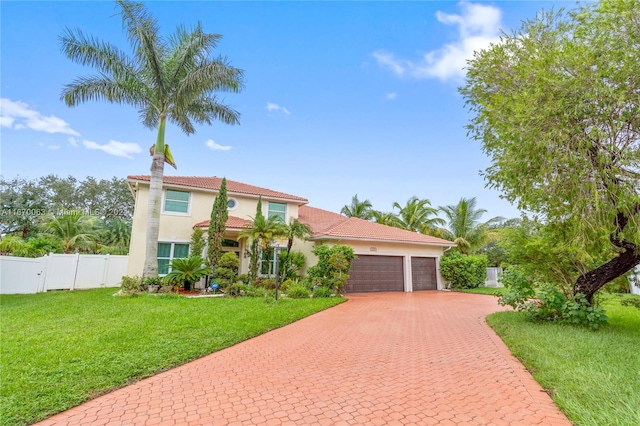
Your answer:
<point x="556" y="107"/>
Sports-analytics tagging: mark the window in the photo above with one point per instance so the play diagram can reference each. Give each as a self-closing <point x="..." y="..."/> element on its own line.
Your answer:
<point x="176" y="201"/>
<point x="231" y="204"/>
<point x="169" y="251"/>
<point x="278" y="209"/>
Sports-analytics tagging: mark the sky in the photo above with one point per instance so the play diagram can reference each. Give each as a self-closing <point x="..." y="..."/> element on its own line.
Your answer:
<point x="340" y="98"/>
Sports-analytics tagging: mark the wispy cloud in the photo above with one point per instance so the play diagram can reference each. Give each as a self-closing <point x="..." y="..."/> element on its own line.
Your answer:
<point x="391" y="96"/>
<point x="478" y="27"/>
<point x="17" y="115"/>
<point x="119" y="149"/>
<point x="211" y="144"/>
<point x="271" y="107"/>
<point x="51" y="147"/>
<point x="73" y="142"/>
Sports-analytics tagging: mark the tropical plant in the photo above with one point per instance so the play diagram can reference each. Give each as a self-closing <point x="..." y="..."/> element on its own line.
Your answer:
<point x="117" y="232"/>
<point x="186" y="271"/>
<point x="332" y="268"/>
<point x="416" y="215"/>
<point x="385" y="218"/>
<point x="359" y="209"/>
<point x="217" y="225"/>
<point x="166" y="79"/>
<point x="555" y="106"/>
<point x="75" y="231"/>
<point x="12" y="244"/>
<point x="295" y="229"/>
<point x="463" y="225"/>
<point x="294" y="262"/>
<point x="265" y="231"/>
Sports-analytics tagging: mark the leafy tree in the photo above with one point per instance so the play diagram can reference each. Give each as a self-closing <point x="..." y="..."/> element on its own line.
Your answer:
<point x="557" y="108"/>
<point x="166" y="79"/>
<point x="74" y="231"/>
<point x="254" y="248"/>
<point x="295" y="229"/>
<point x="22" y="202"/>
<point x="463" y="225"/>
<point x="385" y="218"/>
<point x="117" y="232"/>
<point x="359" y="209"/>
<point x="416" y="215"/>
<point x="217" y="225"/>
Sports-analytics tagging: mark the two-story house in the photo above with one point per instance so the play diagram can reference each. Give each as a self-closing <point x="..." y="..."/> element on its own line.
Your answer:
<point x="389" y="259"/>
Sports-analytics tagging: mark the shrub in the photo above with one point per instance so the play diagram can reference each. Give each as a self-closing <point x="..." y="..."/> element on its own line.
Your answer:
<point x="152" y="281"/>
<point x="267" y="283"/>
<point x="130" y="285"/>
<point x="322" y="292"/>
<point x="464" y="271"/>
<point x="244" y="278"/>
<point x="292" y="264"/>
<point x="298" y="292"/>
<point x="236" y="289"/>
<point x="186" y="271"/>
<point x="288" y="283"/>
<point x="229" y="260"/>
<point x="332" y="269"/>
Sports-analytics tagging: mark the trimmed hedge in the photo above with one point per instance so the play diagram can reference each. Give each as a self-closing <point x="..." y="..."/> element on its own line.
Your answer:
<point x="464" y="271"/>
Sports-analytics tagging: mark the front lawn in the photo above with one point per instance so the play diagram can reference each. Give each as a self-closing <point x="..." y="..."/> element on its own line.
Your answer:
<point x="593" y="376"/>
<point x="61" y="349"/>
<point x="493" y="291"/>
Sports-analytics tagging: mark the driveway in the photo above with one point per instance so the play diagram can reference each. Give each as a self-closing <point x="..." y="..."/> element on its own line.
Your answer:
<point x="424" y="358"/>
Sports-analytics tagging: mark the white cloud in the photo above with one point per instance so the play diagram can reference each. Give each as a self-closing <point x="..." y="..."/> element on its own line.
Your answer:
<point x="53" y="147"/>
<point x="119" y="149"/>
<point x="478" y="27"/>
<point x="73" y="142"/>
<point x="391" y="96"/>
<point x="216" y="147"/>
<point x="275" y="107"/>
<point x="19" y="113"/>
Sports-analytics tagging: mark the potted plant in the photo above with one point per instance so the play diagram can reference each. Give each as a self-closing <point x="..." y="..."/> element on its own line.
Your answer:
<point x="186" y="271"/>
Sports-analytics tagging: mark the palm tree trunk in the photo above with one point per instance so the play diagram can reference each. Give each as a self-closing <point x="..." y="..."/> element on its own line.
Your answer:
<point x="153" y="207"/>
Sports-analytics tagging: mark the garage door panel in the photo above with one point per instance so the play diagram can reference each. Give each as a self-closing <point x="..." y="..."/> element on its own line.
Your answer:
<point x="423" y="273"/>
<point x="376" y="273"/>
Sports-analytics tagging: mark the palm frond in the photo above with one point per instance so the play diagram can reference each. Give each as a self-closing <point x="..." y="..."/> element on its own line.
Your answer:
<point x="188" y="49"/>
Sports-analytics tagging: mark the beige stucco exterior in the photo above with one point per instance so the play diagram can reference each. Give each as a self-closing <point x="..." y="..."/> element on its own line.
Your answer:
<point x="178" y="227"/>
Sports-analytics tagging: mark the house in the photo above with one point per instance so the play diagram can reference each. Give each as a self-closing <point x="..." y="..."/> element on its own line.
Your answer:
<point x="389" y="259"/>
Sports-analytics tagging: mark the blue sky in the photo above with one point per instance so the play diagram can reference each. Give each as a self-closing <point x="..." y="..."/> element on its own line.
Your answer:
<point x="341" y="98"/>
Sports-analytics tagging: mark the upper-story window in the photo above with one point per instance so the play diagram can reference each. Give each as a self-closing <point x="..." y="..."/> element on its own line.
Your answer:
<point x="176" y="201"/>
<point x="278" y="209"/>
<point x="231" y="203"/>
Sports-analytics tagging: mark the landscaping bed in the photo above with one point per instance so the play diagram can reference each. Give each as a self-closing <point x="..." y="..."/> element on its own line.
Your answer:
<point x="60" y="349"/>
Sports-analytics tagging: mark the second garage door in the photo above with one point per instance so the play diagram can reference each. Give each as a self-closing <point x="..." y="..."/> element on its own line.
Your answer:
<point x="423" y="273"/>
<point x="376" y="273"/>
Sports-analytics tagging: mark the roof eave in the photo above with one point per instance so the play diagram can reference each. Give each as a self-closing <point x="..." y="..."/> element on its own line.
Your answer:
<point x="378" y="240"/>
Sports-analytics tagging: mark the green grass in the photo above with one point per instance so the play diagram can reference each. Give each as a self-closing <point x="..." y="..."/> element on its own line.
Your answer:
<point x="61" y="349"/>
<point x="493" y="291"/>
<point x="593" y="376"/>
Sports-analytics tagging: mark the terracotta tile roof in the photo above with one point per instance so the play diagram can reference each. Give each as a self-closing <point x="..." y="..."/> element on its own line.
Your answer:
<point x="233" y="222"/>
<point x="213" y="183"/>
<point x="326" y="224"/>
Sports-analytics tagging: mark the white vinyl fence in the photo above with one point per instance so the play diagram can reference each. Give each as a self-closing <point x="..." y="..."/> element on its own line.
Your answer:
<point x="19" y="275"/>
<point x="493" y="277"/>
<point x="634" y="280"/>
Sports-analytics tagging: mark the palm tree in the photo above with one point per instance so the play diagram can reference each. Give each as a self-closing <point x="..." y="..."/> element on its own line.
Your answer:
<point x="117" y="232"/>
<point x="415" y="216"/>
<point x="359" y="209"/>
<point x="295" y="229"/>
<point x="167" y="78"/>
<point x="264" y="231"/>
<point x="385" y="218"/>
<point x="74" y="231"/>
<point x="463" y="225"/>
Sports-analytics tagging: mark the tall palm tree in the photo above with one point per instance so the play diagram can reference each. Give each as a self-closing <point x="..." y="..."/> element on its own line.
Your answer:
<point x="74" y="231"/>
<point x="357" y="208"/>
<point x="416" y="215"/>
<point x="264" y="231"/>
<point x="463" y="225"/>
<point x="166" y="78"/>
<point x="385" y="218"/>
<point x="295" y="229"/>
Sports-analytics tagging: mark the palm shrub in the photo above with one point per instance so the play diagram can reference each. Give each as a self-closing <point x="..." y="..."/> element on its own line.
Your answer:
<point x="186" y="271"/>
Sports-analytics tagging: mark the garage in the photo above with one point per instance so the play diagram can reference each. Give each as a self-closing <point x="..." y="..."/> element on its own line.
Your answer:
<point x="423" y="273"/>
<point x="376" y="273"/>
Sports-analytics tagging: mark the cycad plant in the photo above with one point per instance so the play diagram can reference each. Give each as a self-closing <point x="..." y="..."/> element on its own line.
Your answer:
<point x="166" y="78"/>
<point x="187" y="271"/>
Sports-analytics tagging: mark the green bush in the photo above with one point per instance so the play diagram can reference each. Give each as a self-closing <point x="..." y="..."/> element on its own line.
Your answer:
<point x="332" y="269"/>
<point x="229" y="260"/>
<point x="244" y="278"/>
<point x="292" y="264"/>
<point x="152" y="281"/>
<point x="130" y="285"/>
<point x="548" y="303"/>
<point x="287" y="283"/>
<point x="298" y="292"/>
<point x="464" y="271"/>
<point x="266" y="283"/>
<point x="236" y="290"/>
<point x="322" y="292"/>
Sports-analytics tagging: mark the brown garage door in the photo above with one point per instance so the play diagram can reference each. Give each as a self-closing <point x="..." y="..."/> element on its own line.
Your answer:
<point x="423" y="273"/>
<point x="376" y="273"/>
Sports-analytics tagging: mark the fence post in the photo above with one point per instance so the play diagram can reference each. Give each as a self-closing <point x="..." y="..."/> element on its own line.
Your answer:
<point x="105" y="270"/>
<point x="75" y="274"/>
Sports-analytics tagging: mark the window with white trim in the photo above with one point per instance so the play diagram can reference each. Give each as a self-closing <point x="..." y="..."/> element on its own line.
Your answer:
<point x="176" y="201"/>
<point x="169" y="251"/>
<point x="277" y="209"/>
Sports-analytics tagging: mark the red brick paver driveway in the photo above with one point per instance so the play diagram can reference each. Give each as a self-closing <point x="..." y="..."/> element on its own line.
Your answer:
<point x="424" y="358"/>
